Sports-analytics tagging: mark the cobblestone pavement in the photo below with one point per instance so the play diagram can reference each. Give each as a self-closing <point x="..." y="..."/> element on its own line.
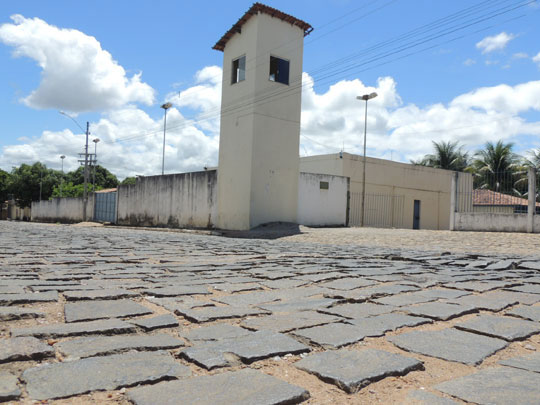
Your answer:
<point x="109" y="315"/>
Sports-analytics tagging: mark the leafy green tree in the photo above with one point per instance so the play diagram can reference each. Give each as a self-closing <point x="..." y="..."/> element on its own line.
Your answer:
<point x="497" y="167"/>
<point x="129" y="181"/>
<point x="447" y="155"/>
<point x="104" y="178"/>
<point x="68" y="189"/>
<point x="5" y="179"/>
<point x="27" y="180"/>
<point x="534" y="159"/>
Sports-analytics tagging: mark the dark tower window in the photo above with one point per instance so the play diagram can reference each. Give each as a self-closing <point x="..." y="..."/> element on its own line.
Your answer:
<point x="279" y="70"/>
<point x="238" y="69"/>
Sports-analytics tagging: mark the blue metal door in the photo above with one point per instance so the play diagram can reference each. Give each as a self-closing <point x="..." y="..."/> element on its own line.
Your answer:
<point x="416" y="215"/>
<point x="105" y="207"/>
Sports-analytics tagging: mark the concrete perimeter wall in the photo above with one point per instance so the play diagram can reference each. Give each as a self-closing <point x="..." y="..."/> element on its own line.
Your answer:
<point x="187" y="200"/>
<point x="493" y="222"/>
<point x="66" y="210"/>
<point x="318" y="206"/>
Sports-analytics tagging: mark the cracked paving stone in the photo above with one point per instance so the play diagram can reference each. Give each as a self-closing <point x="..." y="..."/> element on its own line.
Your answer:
<point x="14" y="313"/>
<point x="255" y="346"/>
<point x="88" y="311"/>
<point x="23" y="348"/>
<point x="529" y="289"/>
<point x="439" y="310"/>
<point x="352" y="370"/>
<point x="8" y="387"/>
<point x="449" y="344"/>
<point x="219" y="331"/>
<point x="527" y="312"/>
<point x="489" y="301"/>
<point x="495" y="386"/>
<point x="298" y="305"/>
<point x="244" y="387"/>
<point x="99" y="294"/>
<point x="354" y="311"/>
<point x="438" y="293"/>
<point x="99" y="346"/>
<point x="401" y="300"/>
<point x="156" y="322"/>
<point x="104" y="327"/>
<point x="25" y="298"/>
<point x="427" y="398"/>
<point x="289" y="321"/>
<point x="61" y="380"/>
<point x="207" y="314"/>
<point x="503" y="327"/>
<point x="530" y="362"/>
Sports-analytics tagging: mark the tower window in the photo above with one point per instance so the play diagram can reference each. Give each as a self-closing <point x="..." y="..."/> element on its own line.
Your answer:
<point x="279" y="70"/>
<point x="238" y="69"/>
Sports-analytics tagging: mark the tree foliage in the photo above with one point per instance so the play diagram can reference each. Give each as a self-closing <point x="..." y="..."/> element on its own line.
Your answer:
<point x="5" y="178"/>
<point x="129" y="181"/>
<point x="104" y="178"/>
<point x="26" y="181"/>
<point x="447" y="155"/>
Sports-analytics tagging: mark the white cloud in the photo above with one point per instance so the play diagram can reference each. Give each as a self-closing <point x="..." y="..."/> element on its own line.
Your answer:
<point x="131" y="140"/>
<point x="77" y="74"/>
<point x="536" y="59"/>
<point x="495" y="43"/>
<point x="469" y="62"/>
<point x="520" y="55"/>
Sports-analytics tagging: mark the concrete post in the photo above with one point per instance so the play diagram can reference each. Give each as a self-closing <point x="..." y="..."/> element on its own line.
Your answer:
<point x="453" y="191"/>
<point x="532" y="199"/>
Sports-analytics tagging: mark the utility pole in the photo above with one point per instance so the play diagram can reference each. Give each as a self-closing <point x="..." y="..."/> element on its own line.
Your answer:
<point x="85" y="192"/>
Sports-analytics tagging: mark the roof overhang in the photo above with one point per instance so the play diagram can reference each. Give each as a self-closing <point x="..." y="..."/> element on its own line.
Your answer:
<point x="254" y="10"/>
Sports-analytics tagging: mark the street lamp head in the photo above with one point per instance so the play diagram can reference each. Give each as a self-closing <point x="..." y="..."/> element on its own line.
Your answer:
<point x="166" y="106"/>
<point x="367" y="97"/>
<point x="62" y="157"/>
<point x="95" y="140"/>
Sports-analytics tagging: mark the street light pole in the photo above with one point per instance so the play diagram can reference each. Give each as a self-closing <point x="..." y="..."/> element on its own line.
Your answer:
<point x="165" y="106"/>
<point x="365" y="97"/>
<point x="95" y="164"/>
<point x="62" y="157"/>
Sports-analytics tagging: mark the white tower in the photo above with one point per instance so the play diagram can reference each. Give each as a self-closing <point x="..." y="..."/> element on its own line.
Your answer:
<point x="260" y="118"/>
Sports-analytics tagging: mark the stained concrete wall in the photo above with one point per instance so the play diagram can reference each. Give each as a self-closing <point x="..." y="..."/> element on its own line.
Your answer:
<point x="383" y="177"/>
<point x="67" y="210"/>
<point x="493" y="222"/>
<point x="187" y="200"/>
<point x="319" y="206"/>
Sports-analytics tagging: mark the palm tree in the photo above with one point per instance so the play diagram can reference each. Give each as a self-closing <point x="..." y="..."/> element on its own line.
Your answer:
<point x="497" y="167"/>
<point x="534" y="160"/>
<point x="447" y="155"/>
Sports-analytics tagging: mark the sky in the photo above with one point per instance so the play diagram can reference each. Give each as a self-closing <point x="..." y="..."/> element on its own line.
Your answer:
<point x="461" y="70"/>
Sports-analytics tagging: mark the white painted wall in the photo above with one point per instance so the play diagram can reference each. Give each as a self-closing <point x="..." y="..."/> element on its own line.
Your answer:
<point x="62" y="210"/>
<point x="186" y="200"/>
<point x="493" y="222"/>
<point x="318" y="207"/>
<point x="259" y="142"/>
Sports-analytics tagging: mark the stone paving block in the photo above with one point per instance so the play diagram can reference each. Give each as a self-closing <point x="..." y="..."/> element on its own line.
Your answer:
<point x="25" y="298"/>
<point x="99" y="294"/>
<point x="156" y="322"/>
<point x="23" y="348"/>
<point x="502" y="265"/>
<point x="289" y="321"/>
<point x="391" y="321"/>
<point x="495" y="386"/>
<point x="8" y="387"/>
<point x="439" y="310"/>
<point x="529" y="265"/>
<point x="307" y="304"/>
<point x="177" y="290"/>
<point x="102" y="345"/>
<point x="439" y="293"/>
<point x="352" y="370"/>
<point x="237" y="287"/>
<point x="404" y="299"/>
<point x="101" y="327"/>
<point x="250" y="348"/>
<point x="503" y="327"/>
<point x="526" y="312"/>
<point x="522" y="298"/>
<point x="353" y="311"/>
<point x="207" y="314"/>
<point x="420" y="397"/>
<point x="14" y="313"/>
<point x="336" y="335"/>
<point x="488" y="301"/>
<point x="88" y="311"/>
<point x="530" y="362"/>
<point x="283" y="283"/>
<point x="348" y="283"/>
<point x="528" y="288"/>
<point x="449" y="344"/>
<point x="219" y="331"/>
<point x="61" y="380"/>
<point x="244" y="387"/>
